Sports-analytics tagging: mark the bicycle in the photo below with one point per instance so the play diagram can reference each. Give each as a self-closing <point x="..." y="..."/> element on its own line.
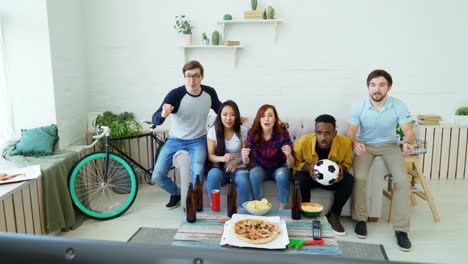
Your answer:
<point x="102" y="184"/>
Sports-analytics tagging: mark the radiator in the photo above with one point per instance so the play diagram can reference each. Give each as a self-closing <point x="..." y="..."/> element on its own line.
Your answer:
<point x="21" y="207"/>
<point x="446" y="156"/>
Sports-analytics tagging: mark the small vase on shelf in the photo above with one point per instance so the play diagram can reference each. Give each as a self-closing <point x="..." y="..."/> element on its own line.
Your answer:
<point x="188" y="39"/>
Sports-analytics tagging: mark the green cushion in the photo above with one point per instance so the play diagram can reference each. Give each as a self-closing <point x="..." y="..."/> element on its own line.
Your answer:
<point x="37" y="141"/>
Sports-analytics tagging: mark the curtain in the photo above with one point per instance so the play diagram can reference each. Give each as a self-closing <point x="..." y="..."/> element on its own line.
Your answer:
<point x="7" y="135"/>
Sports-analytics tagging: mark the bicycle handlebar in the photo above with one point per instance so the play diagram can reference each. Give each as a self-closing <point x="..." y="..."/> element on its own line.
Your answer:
<point x="105" y="132"/>
<point x="152" y="126"/>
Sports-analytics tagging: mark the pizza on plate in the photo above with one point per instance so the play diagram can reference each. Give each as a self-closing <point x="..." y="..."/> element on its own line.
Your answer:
<point x="256" y="231"/>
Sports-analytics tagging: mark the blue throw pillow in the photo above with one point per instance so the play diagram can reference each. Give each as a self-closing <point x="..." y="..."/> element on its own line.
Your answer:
<point x="37" y="141"/>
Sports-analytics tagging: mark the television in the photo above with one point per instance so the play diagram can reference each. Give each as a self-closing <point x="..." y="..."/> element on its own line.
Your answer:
<point x="21" y="248"/>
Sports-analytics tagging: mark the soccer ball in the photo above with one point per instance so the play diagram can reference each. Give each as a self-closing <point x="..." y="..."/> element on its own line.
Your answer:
<point x="327" y="171"/>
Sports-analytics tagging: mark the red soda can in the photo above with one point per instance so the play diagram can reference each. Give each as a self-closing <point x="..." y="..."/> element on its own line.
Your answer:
<point x="215" y="200"/>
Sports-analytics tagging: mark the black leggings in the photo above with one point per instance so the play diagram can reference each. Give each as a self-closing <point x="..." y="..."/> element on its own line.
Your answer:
<point x="343" y="189"/>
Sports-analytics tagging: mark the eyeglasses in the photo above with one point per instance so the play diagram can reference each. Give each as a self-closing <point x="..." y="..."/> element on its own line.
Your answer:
<point x="195" y="76"/>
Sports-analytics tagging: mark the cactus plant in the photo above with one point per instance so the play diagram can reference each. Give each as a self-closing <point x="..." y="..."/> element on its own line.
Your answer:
<point x="215" y="38"/>
<point x="253" y="3"/>
<point x="227" y="17"/>
<point x="269" y="13"/>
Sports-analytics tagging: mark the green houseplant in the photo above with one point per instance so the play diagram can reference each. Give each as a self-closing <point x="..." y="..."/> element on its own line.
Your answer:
<point x="205" y="39"/>
<point x="461" y="115"/>
<point x="269" y="12"/>
<point x="121" y="125"/>
<point x="184" y="26"/>
<point x="462" y="111"/>
<point x="399" y="130"/>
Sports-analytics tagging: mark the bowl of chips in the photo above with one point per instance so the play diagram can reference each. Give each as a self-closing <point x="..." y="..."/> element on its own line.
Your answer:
<point x="256" y="207"/>
<point x="311" y="209"/>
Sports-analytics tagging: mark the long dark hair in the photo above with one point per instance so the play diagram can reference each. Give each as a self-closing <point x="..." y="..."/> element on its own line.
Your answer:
<point x="219" y="127"/>
<point x="256" y="132"/>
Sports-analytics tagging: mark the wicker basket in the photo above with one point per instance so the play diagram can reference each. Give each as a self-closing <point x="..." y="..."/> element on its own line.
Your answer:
<point x="419" y="147"/>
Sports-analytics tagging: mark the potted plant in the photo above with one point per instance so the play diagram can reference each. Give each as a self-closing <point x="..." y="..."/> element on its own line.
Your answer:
<point x="269" y="12"/>
<point x="120" y="125"/>
<point x="205" y="39"/>
<point x="461" y="115"/>
<point x="183" y="25"/>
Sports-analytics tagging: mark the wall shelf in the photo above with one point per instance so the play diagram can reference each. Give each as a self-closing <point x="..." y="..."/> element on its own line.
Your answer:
<point x="274" y="22"/>
<point x="233" y="48"/>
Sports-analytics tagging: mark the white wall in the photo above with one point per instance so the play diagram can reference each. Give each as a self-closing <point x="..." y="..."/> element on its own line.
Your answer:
<point x="28" y="63"/>
<point x="121" y="55"/>
<point x="68" y="63"/>
<point x="319" y="64"/>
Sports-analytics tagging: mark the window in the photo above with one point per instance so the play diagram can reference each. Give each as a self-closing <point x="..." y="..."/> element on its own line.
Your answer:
<point x="6" y="123"/>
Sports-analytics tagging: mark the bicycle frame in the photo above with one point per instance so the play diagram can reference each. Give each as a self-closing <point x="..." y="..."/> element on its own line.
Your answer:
<point x="153" y="139"/>
<point x="109" y="145"/>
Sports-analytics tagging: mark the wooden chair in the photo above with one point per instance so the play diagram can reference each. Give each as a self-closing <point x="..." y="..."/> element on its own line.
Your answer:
<point x="416" y="175"/>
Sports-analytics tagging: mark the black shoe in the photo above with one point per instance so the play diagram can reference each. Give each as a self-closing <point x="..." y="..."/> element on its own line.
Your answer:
<point x="173" y="202"/>
<point x="403" y="241"/>
<point x="361" y="229"/>
<point x="335" y="223"/>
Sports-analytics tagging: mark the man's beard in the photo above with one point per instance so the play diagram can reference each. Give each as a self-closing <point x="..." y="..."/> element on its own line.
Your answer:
<point x="380" y="99"/>
<point x="326" y="147"/>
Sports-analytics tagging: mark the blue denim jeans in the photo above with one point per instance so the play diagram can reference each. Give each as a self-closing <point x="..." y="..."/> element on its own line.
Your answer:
<point x="281" y="175"/>
<point x="218" y="177"/>
<point x="196" y="148"/>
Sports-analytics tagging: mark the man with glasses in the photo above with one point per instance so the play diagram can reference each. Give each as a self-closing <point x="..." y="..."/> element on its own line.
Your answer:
<point x="325" y="143"/>
<point x="189" y="106"/>
<point x="375" y="118"/>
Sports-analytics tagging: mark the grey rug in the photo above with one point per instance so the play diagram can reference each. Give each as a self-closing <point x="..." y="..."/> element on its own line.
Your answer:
<point x="161" y="236"/>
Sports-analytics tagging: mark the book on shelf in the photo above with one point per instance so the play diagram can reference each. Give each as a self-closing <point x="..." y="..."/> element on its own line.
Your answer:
<point x="253" y="14"/>
<point x="231" y="43"/>
<point x="428" y="122"/>
<point x="429" y="119"/>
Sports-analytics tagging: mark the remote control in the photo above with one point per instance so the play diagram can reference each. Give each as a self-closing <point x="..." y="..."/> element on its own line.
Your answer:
<point x="316" y="230"/>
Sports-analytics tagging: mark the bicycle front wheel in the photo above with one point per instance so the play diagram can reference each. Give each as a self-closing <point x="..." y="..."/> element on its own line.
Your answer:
<point x="100" y="196"/>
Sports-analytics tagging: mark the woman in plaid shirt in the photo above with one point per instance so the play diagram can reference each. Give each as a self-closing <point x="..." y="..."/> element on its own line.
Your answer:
<point x="269" y="150"/>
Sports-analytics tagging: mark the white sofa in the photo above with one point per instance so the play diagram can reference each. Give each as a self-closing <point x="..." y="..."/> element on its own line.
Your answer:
<point x="297" y="128"/>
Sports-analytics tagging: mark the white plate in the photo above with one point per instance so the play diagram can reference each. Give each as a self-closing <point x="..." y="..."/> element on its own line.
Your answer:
<point x="30" y="172"/>
<point x="229" y="238"/>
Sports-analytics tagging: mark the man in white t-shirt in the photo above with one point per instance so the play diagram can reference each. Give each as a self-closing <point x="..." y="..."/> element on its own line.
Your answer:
<point x="226" y="157"/>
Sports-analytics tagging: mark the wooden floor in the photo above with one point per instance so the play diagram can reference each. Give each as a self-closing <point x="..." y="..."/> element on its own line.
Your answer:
<point x="443" y="242"/>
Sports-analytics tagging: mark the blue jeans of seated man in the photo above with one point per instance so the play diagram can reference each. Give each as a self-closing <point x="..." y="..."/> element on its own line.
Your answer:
<point x="281" y="175"/>
<point x="197" y="150"/>
<point x="218" y="177"/>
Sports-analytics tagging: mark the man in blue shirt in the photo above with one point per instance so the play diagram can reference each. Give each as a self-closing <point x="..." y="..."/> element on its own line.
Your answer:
<point x="375" y="118"/>
<point x="189" y="106"/>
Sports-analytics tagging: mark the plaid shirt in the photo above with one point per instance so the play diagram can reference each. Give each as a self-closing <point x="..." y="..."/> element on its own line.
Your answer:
<point x="270" y="156"/>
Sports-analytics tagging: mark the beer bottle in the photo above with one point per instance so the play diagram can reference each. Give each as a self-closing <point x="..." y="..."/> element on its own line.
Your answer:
<point x="198" y="194"/>
<point x="296" y="202"/>
<point x="232" y="199"/>
<point x="190" y="203"/>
